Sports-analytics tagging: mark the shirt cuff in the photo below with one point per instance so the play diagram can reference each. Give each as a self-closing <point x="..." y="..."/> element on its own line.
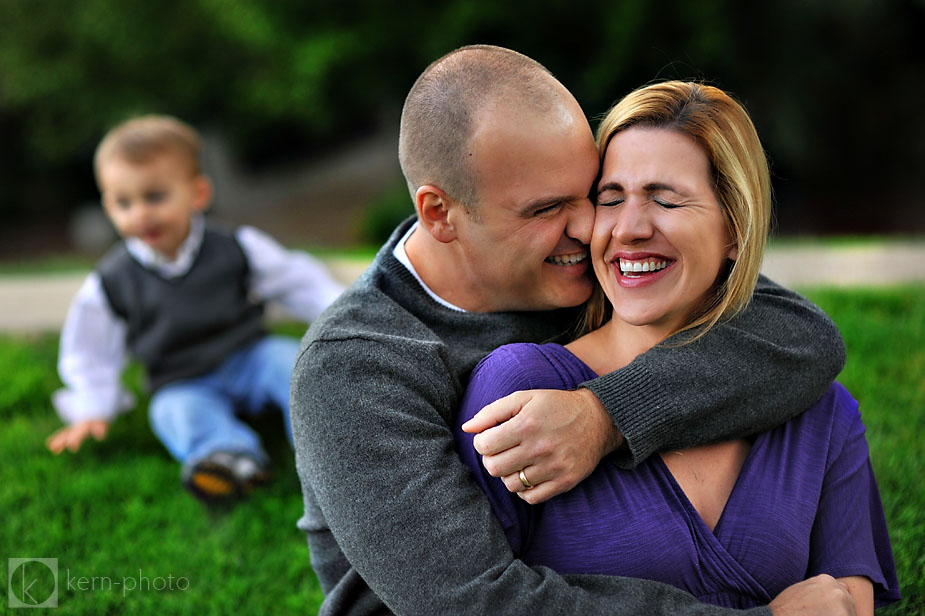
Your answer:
<point x="74" y="407"/>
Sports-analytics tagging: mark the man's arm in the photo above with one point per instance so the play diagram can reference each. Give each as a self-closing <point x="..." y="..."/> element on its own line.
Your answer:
<point x="393" y="516"/>
<point x="744" y="376"/>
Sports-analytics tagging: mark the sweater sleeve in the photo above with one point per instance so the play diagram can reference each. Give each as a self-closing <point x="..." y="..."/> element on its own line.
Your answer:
<point x="395" y="521"/>
<point x="745" y="376"/>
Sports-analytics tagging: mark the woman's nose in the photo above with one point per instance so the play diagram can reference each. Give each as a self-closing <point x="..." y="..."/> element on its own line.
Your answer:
<point x="633" y="223"/>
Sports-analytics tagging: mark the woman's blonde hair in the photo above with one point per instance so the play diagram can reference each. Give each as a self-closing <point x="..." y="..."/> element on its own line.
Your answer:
<point x="721" y="126"/>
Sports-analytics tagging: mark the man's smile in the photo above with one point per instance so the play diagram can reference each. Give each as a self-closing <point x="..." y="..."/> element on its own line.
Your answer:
<point x="569" y="259"/>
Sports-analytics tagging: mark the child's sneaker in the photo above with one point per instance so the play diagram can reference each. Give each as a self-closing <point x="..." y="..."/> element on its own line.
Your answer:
<point x="223" y="476"/>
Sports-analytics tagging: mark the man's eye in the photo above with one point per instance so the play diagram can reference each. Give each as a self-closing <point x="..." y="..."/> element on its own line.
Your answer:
<point x="549" y="209"/>
<point x="609" y="202"/>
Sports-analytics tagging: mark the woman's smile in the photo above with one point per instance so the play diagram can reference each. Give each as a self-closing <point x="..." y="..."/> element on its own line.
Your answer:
<point x="636" y="270"/>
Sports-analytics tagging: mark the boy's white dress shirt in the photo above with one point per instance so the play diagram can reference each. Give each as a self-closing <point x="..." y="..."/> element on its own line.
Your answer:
<point x="93" y="349"/>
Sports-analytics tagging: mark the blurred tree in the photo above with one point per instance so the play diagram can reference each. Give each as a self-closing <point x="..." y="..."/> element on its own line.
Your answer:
<point x="834" y="86"/>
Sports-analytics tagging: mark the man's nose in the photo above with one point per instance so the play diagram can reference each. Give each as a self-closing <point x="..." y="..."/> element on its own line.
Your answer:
<point x="580" y="221"/>
<point x="633" y="223"/>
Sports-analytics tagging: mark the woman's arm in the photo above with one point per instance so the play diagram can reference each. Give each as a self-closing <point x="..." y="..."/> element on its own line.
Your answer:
<point x="862" y="591"/>
<point x="849" y="539"/>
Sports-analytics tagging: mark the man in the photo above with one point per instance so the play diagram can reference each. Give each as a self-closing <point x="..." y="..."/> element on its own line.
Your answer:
<point x="500" y="162"/>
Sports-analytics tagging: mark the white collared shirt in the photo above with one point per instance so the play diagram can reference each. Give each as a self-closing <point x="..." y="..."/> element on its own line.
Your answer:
<point x="93" y="350"/>
<point x="402" y="257"/>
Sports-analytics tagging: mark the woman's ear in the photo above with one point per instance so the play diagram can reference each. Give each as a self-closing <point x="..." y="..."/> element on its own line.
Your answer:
<point x="433" y="209"/>
<point x="733" y="252"/>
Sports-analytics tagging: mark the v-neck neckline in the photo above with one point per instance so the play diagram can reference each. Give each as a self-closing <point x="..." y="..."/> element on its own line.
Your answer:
<point x="689" y="506"/>
<point x="680" y="494"/>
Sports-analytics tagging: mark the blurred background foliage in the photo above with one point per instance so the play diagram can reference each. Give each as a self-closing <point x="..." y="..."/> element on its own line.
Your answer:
<point x="835" y="88"/>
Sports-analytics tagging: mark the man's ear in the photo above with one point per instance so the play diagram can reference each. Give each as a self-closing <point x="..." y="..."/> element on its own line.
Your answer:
<point x="202" y="193"/>
<point x="433" y="208"/>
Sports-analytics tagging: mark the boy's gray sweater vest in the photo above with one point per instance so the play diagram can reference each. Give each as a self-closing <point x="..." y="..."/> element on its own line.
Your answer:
<point x="395" y="522"/>
<point x="184" y="327"/>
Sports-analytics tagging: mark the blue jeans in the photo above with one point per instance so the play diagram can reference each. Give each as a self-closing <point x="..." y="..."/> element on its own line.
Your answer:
<point x="196" y="417"/>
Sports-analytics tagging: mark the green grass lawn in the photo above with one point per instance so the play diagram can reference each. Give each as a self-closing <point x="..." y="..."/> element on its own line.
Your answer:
<point x="116" y="512"/>
<point x="128" y="539"/>
<point x="884" y="331"/>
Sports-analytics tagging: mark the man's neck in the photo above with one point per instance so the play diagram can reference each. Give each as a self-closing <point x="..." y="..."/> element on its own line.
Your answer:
<point x="400" y="253"/>
<point x="441" y="270"/>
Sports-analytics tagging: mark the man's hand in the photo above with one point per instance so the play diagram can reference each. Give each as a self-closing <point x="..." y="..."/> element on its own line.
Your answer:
<point x="555" y="437"/>
<point x="822" y="595"/>
<point x="71" y="437"/>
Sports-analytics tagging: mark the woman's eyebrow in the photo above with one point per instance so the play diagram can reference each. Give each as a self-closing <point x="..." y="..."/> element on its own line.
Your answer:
<point x="609" y="186"/>
<point x="650" y="187"/>
<point x="654" y="186"/>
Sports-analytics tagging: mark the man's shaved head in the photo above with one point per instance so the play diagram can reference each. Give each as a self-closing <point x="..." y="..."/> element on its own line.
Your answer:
<point x="442" y="111"/>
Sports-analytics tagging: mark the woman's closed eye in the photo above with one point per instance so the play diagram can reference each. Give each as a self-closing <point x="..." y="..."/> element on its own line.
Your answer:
<point x="609" y="198"/>
<point x="668" y="205"/>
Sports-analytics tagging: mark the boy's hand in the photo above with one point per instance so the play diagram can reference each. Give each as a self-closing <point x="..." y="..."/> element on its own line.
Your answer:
<point x="70" y="437"/>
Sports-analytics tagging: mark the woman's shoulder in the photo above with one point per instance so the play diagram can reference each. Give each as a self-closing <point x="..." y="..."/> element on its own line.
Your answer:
<point x="834" y="419"/>
<point x="837" y="407"/>
<point x="522" y="351"/>
<point x="534" y="366"/>
<point x="518" y="367"/>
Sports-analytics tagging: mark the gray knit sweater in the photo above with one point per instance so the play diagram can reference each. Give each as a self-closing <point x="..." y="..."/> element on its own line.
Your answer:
<point x="394" y="522"/>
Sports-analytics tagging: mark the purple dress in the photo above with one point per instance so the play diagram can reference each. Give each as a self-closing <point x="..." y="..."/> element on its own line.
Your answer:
<point x="805" y="502"/>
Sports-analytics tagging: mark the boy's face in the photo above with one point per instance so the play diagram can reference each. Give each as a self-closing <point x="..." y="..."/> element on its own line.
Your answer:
<point x="153" y="200"/>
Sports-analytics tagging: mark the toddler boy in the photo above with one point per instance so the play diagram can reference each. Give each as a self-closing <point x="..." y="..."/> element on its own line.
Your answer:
<point x="186" y="299"/>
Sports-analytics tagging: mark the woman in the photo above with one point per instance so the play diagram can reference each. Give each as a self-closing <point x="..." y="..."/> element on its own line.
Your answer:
<point x="683" y="210"/>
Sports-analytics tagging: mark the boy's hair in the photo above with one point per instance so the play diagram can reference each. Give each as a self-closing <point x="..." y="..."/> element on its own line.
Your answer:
<point x="140" y="139"/>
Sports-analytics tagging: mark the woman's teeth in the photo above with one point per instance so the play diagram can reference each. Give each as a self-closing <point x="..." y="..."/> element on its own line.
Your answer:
<point x="644" y="266"/>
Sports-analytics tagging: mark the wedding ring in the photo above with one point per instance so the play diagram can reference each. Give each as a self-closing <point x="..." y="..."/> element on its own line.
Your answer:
<point x="523" y="480"/>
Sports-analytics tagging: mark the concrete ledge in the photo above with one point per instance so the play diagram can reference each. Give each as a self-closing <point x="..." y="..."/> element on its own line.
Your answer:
<point x="39" y="302"/>
<point x="874" y="265"/>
